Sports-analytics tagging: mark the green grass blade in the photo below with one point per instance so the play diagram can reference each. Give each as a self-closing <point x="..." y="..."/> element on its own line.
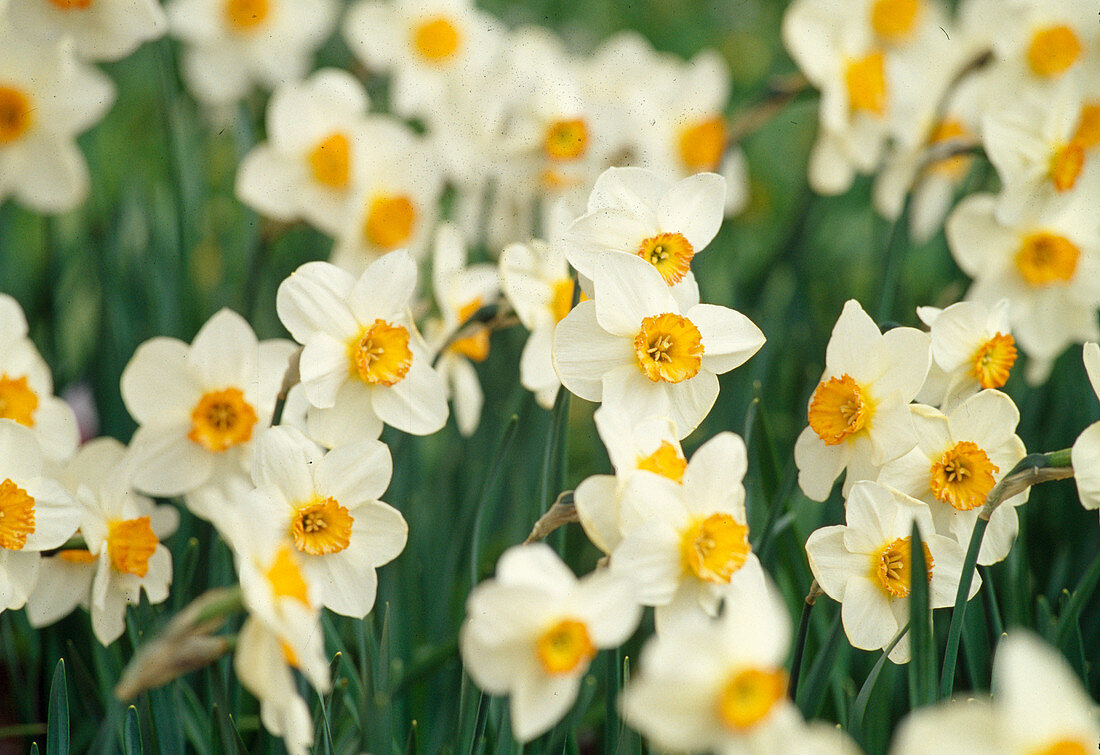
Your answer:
<point x="922" y="664"/>
<point x="131" y="733"/>
<point x="832" y="655"/>
<point x="1067" y="623"/>
<point x="954" y="631"/>
<point x="855" y="721"/>
<point x="57" y="717"/>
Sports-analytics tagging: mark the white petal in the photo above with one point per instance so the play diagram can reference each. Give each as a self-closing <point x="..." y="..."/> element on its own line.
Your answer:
<point x="384" y="289"/>
<point x="167" y="463"/>
<point x="729" y="338"/>
<point x="282" y="459"/>
<point x="417" y="404"/>
<point x="313" y="300"/>
<point x="158" y="382"/>
<point x="584" y="352"/>
<point x="224" y="351"/>
<point x="694" y="207"/>
<point x="628" y="289"/>
<point x="355" y="473"/>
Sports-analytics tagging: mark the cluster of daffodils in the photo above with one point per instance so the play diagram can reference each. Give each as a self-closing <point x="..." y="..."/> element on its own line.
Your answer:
<point x="906" y="85"/>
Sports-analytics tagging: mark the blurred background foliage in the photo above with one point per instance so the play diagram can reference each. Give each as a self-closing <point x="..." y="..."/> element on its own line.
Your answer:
<point x="162" y="244"/>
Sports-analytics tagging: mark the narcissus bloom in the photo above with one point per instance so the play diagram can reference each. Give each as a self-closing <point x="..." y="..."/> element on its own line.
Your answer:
<point x="1086" y="449"/>
<point x="532" y="632"/>
<point x="959" y="457"/>
<point x="719" y="685"/>
<point x="636" y="348"/>
<point x="859" y="412"/>
<point x="123" y="553"/>
<point x="1039" y="705"/>
<point x="364" y="362"/>
<point x="327" y="506"/>
<point x="47" y="98"/>
<point x="99" y="29"/>
<point x="199" y="407"/>
<point x="867" y="565"/>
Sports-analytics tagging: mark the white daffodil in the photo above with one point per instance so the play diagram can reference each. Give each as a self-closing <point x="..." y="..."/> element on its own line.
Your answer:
<point x="1047" y="265"/>
<point x="972" y="349"/>
<point x="460" y="291"/>
<point x="47" y="98"/>
<point x="395" y="203"/>
<point x="636" y="348"/>
<point x="123" y="553"/>
<point x="328" y="507"/>
<point x="230" y="45"/>
<point x="866" y="565"/>
<point x="1086" y="449"/>
<point x="959" y="457"/>
<point x="26" y="387"/>
<point x="859" y="413"/>
<point x="425" y="45"/>
<point x="532" y="632"/>
<point x="683" y="542"/>
<point x="635" y="212"/>
<point x="650" y="445"/>
<point x="1039" y="705"/>
<point x="718" y="685"/>
<point x="310" y="166"/>
<point x="199" y="407"/>
<point x="36" y="513"/>
<point x="99" y="29"/>
<point x="363" y="361"/>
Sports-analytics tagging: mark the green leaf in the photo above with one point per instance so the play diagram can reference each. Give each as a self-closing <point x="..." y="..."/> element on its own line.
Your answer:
<point x="131" y="735"/>
<point x="832" y="654"/>
<point x="859" y="708"/>
<point x="954" y="631"/>
<point x="57" y="718"/>
<point x="1067" y="623"/>
<point x="922" y="664"/>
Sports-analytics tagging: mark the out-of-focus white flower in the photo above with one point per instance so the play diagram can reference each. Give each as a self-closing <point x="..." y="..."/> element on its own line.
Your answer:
<point x="425" y="45"/>
<point x="867" y="565"/>
<point x="1086" y="449"/>
<point x="199" y="407"/>
<point x="311" y="165"/>
<point x="683" y="542"/>
<point x="633" y="348"/>
<point x="719" y="685"/>
<point x="122" y="532"/>
<point x="46" y="98"/>
<point x="328" y="507"/>
<point x="635" y="212"/>
<point x="859" y="413"/>
<point x="1047" y="265"/>
<point x="959" y="457"/>
<point x="36" y="513"/>
<point x="363" y="362"/>
<point x="1039" y="706"/>
<point x="232" y="44"/>
<point x="396" y="201"/>
<point x="26" y="387"/>
<point x="100" y="29"/>
<point x="532" y="632"/>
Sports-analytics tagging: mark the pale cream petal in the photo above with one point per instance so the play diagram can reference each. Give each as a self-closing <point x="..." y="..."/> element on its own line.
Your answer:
<point x="597" y="502"/>
<point x="818" y="465"/>
<point x="1085" y="457"/>
<point x="313" y="300"/>
<point x="694" y="207"/>
<point x="157" y="382"/>
<point x="417" y="404"/>
<point x="628" y="289"/>
<point x="729" y="338"/>
<point x="831" y="562"/>
<point x="584" y="352"/>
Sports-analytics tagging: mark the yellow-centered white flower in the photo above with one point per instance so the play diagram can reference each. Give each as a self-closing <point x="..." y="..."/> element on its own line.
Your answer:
<point x="859" y="414"/>
<point x="1086" y="449"/>
<point x="532" y="632"/>
<point x="363" y="361"/>
<point x="635" y="347"/>
<point x="99" y="29"/>
<point x="867" y="565"/>
<point x="959" y="457"/>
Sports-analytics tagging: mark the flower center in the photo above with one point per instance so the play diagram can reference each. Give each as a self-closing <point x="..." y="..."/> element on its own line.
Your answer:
<point x="390" y="221"/>
<point x="749" y="695"/>
<point x="436" y="40"/>
<point x="1046" y="258"/>
<point x="15" y="114"/>
<point x="840" y="407"/>
<point x="16" y="516"/>
<point x="702" y="144"/>
<point x="381" y="354"/>
<point x="670" y="253"/>
<point x="1062" y="747"/>
<point x="714" y="548"/>
<point x="476" y="345"/>
<point x="131" y="543"/>
<point x="954" y="167"/>
<point x="665" y="461"/>
<point x="669" y="347"/>
<point x="993" y="360"/>
<point x="246" y="15"/>
<point x="562" y="299"/>
<point x="564" y="647"/>
<point x="1088" y="127"/>
<point x="894" y="20"/>
<point x="1066" y="165"/>
<point x="285" y="577"/>
<point x="892" y="567"/>
<point x="72" y="4"/>
<point x="330" y="161"/>
<point x="566" y="140"/>
<point x="1053" y="50"/>
<point x="221" y="420"/>
<point x="963" y="476"/>
<point x="866" y="82"/>
<point x="76" y="556"/>
<point x="17" y="401"/>
<point x="321" y="527"/>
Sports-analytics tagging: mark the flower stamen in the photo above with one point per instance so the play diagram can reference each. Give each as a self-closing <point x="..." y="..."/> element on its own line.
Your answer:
<point x="16" y="516"/>
<point x="321" y="527"/>
<point x="993" y="361"/>
<point x="670" y="253"/>
<point x="892" y="567"/>
<point x="380" y="354"/>
<point x="221" y="420"/>
<point x="714" y="548"/>
<point x="669" y="348"/>
<point x="564" y="647"/>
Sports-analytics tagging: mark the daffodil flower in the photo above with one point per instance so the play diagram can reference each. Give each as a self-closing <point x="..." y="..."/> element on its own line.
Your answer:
<point x="99" y="29"/>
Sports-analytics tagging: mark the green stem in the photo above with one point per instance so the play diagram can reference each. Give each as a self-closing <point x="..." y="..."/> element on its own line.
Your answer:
<point x="800" y="640"/>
